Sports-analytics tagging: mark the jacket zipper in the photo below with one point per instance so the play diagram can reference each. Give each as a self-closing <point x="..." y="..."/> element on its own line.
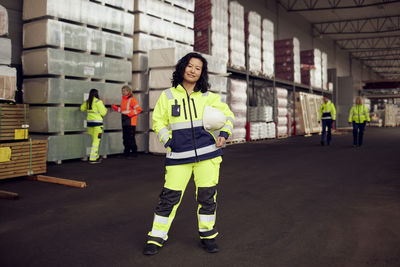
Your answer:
<point x="191" y="123"/>
<point x="184" y="108"/>
<point x="194" y="107"/>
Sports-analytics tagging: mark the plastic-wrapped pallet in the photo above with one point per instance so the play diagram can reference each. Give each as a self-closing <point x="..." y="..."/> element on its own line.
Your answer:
<point x="324" y="63"/>
<point x="271" y="130"/>
<point x="255" y="130"/>
<point x="253" y="114"/>
<point x="253" y="35"/>
<point x="282" y="107"/>
<point x="211" y="27"/>
<point x="237" y="50"/>
<point x="265" y="113"/>
<point x="3" y="21"/>
<point x="312" y="58"/>
<point x="287" y="59"/>
<point x="8" y="83"/>
<point x="268" y="47"/>
<point x="5" y="52"/>
<point x="238" y="105"/>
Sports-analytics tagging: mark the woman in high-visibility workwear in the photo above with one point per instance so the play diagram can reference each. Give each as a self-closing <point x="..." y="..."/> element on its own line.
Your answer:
<point x="178" y="123"/>
<point x="129" y="110"/>
<point x="359" y="116"/>
<point x="95" y="112"/>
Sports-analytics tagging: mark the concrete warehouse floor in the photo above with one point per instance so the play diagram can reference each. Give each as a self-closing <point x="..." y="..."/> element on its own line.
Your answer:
<point x="286" y="202"/>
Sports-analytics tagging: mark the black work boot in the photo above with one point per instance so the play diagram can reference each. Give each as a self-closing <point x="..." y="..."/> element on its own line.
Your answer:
<point x="209" y="245"/>
<point x="151" y="249"/>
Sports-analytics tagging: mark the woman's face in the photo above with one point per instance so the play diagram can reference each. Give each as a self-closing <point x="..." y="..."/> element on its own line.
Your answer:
<point x="358" y="101"/>
<point x="193" y="70"/>
<point x="124" y="92"/>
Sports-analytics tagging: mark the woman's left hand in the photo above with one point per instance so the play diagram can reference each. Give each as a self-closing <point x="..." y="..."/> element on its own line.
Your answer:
<point x="220" y="141"/>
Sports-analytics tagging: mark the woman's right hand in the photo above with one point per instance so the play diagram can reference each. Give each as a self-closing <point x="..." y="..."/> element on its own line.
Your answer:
<point x="115" y="107"/>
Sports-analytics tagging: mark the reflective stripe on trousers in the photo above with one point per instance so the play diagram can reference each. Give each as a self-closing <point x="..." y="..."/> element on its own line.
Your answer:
<point x="95" y="133"/>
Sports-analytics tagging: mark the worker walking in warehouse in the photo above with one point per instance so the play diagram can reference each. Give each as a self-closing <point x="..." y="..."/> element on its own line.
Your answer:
<point x="95" y="112"/>
<point x="179" y="120"/>
<point x="129" y="110"/>
<point x="327" y="114"/>
<point x="359" y="116"/>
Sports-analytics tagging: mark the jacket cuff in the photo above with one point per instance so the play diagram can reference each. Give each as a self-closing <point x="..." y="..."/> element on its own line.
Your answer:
<point x="224" y="134"/>
<point x="168" y="143"/>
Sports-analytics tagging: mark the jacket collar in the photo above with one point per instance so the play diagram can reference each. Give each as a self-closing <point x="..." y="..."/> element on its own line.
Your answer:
<point x="182" y="89"/>
<point x="125" y="97"/>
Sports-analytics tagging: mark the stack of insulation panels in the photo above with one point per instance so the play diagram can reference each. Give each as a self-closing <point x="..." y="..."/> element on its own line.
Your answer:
<point x="282" y="112"/>
<point x="8" y="76"/>
<point x="312" y="74"/>
<point x="324" y="66"/>
<point x="307" y="113"/>
<point x="238" y="104"/>
<point x="254" y="45"/>
<point x="287" y="60"/>
<point x="268" y="48"/>
<point x="69" y="48"/>
<point x="211" y="28"/>
<point x="237" y="50"/>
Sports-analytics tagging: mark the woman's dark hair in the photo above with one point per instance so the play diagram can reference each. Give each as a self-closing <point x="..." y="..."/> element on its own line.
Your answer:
<point x="93" y="93"/>
<point x="177" y="78"/>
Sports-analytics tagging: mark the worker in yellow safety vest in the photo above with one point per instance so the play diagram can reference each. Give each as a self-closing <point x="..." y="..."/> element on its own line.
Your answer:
<point x="179" y="122"/>
<point x="95" y="112"/>
<point x="327" y="114"/>
<point x="359" y="116"/>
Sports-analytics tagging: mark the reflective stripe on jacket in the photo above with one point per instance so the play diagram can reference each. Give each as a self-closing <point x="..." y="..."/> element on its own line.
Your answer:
<point x="184" y="134"/>
<point x="359" y="114"/>
<point x="129" y="109"/>
<point x="327" y="111"/>
<point x="96" y="114"/>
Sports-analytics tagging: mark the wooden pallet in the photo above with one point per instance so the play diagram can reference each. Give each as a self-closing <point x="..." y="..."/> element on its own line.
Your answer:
<point x="22" y="158"/>
<point x="14" y="122"/>
<point x="232" y="142"/>
<point x="281" y="136"/>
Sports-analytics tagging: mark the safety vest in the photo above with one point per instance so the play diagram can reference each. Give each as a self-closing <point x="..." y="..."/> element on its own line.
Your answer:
<point x="178" y="123"/>
<point x="327" y="111"/>
<point x="96" y="114"/>
<point x="129" y="109"/>
<point x="359" y="114"/>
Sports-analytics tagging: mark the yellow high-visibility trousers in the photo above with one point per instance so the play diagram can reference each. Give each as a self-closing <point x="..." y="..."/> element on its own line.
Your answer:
<point x="95" y="133"/>
<point x="206" y="175"/>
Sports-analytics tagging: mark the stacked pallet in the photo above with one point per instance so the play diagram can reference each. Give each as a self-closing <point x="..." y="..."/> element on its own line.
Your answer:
<point x="254" y="44"/>
<point x="238" y="104"/>
<point x="14" y="122"/>
<point x="8" y="76"/>
<point x="307" y="113"/>
<point x="324" y="75"/>
<point x="282" y="128"/>
<point x="311" y="72"/>
<point x="287" y="60"/>
<point x="268" y="48"/>
<point x="237" y="50"/>
<point x="211" y="27"/>
<point x="22" y="158"/>
<point x="67" y="52"/>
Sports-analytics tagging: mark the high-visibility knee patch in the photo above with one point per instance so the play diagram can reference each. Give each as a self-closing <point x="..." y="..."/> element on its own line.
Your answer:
<point x="205" y="197"/>
<point x="168" y="199"/>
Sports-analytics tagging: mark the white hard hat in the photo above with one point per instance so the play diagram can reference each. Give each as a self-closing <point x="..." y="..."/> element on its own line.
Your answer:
<point x="213" y="118"/>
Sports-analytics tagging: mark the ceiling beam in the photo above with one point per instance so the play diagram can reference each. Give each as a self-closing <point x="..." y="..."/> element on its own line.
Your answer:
<point x="317" y="5"/>
<point x="353" y="26"/>
<point x="370" y="43"/>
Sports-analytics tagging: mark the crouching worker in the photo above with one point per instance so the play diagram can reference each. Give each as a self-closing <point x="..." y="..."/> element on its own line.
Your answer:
<point x="95" y="112"/>
<point x="191" y="149"/>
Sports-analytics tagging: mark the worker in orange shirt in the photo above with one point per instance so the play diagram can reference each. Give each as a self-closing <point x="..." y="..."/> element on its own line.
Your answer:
<point x="129" y="110"/>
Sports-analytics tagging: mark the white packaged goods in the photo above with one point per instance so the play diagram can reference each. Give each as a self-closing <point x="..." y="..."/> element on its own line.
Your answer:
<point x="253" y="34"/>
<point x="140" y="81"/>
<point x="287" y="59"/>
<point x="253" y="114"/>
<point x="265" y="113"/>
<point x="268" y="47"/>
<point x="156" y="26"/>
<point x="155" y="146"/>
<point x="8" y="82"/>
<point x="271" y="130"/>
<point x="282" y="120"/>
<point x="281" y="102"/>
<point x="281" y="93"/>
<point x="67" y="35"/>
<point x="282" y="129"/>
<point x="324" y="58"/>
<point x="218" y="84"/>
<point x="282" y="111"/>
<point x="144" y="42"/>
<point x="3" y="21"/>
<point x="216" y="65"/>
<point x="143" y="100"/>
<point x="238" y="134"/>
<point x="237" y="49"/>
<point x="80" y="11"/>
<point x="166" y="11"/>
<point x="211" y="28"/>
<point x="167" y="57"/>
<point x="153" y="97"/>
<point x="238" y="104"/>
<point x="187" y="4"/>
<point x="123" y="4"/>
<point x="313" y="59"/>
<point x="59" y="62"/>
<point x="64" y="91"/>
<point x="5" y="51"/>
<point x="160" y="78"/>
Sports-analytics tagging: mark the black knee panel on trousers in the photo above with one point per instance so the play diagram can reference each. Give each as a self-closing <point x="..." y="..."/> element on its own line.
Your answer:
<point x="168" y="199"/>
<point x="205" y="197"/>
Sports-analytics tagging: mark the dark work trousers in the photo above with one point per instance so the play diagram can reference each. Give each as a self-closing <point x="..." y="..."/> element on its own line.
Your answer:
<point x="128" y="135"/>
<point x="358" y="130"/>
<point x="327" y="123"/>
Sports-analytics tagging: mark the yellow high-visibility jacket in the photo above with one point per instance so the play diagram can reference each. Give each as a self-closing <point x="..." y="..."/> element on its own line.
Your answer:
<point x="359" y="114"/>
<point x="327" y="111"/>
<point x="178" y="123"/>
<point x="96" y="114"/>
